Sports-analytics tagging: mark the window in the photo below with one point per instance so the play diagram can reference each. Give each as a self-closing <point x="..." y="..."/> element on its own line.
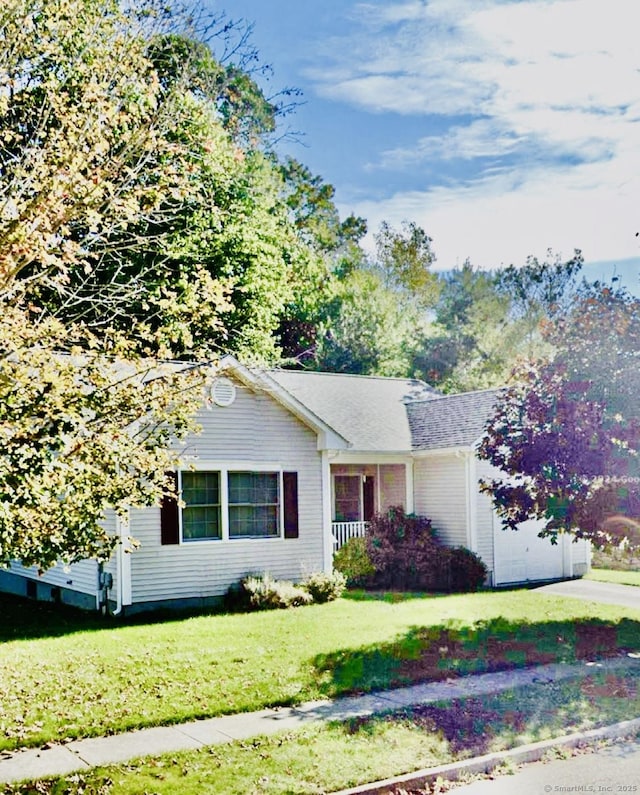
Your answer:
<point x="354" y="498"/>
<point x="347" y="498"/>
<point x="254" y="507"/>
<point x="223" y="505"/>
<point x="202" y="512"/>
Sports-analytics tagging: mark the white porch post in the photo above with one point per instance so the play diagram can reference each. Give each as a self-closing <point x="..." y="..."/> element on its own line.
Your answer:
<point x="408" y="482"/>
<point x="327" y="535"/>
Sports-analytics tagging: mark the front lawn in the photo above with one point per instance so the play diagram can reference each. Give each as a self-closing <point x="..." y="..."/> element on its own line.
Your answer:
<point x="81" y="678"/>
<point x="611" y="575"/>
<point x="326" y="758"/>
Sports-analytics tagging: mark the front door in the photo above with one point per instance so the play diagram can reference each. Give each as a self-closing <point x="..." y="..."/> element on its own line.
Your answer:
<point x="368" y="498"/>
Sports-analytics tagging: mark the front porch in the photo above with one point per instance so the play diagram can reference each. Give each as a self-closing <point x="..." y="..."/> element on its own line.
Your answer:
<point x="359" y="491"/>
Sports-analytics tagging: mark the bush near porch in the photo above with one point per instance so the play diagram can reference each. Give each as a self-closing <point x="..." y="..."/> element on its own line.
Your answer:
<point x="403" y="552"/>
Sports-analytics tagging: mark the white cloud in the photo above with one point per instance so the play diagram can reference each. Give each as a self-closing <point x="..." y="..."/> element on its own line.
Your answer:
<point x="482" y="138"/>
<point x="486" y="58"/>
<point x="550" y="89"/>
<point x="523" y="214"/>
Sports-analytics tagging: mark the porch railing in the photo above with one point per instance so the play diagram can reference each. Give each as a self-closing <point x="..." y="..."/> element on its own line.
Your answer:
<point x="343" y="531"/>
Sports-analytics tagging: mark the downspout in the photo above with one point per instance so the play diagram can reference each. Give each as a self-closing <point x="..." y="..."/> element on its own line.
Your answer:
<point x="472" y="501"/>
<point x="123" y="568"/>
<point x="471" y="506"/>
<point x="118" y="609"/>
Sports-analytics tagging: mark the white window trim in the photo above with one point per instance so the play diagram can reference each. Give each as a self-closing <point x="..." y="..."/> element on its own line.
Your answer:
<point x="189" y="541"/>
<point x="223" y="470"/>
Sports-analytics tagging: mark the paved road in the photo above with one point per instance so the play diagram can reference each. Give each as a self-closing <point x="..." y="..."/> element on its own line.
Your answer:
<point x="610" y="593"/>
<point x="614" y="769"/>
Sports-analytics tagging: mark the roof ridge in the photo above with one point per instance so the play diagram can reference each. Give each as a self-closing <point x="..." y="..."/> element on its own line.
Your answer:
<point x="351" y="375"/>
<point x="440" y="396"/>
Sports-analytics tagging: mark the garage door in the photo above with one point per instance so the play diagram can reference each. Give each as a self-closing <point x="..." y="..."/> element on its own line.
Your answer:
<point x="522" y="556"/>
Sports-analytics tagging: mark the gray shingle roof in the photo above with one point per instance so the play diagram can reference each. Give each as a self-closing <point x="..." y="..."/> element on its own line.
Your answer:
<point x="451" y="420"/>
<point x="369" y="411"/>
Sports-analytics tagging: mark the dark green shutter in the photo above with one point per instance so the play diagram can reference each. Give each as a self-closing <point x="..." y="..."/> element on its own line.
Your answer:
<point x="290" y="501"/>
<point x="169" y="516"/>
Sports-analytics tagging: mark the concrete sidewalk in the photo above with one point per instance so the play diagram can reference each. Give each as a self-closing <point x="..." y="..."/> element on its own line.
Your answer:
<point x="78" y="755"/>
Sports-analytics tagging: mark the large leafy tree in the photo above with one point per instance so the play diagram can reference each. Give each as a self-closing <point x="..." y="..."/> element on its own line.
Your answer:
<point x="332" y="253"/>
<point x="486" y="322"/>
<point x="470" y="344"/>
<point x="101" y="161"/>
<point x="373" y="308"/>
<point x="566" y="435"/>
<point x="210" y="257"/>
<point x="366" y="330"/>
<point x="538" y="291"/>
<point x="81" y="432"/>
<point x="405" y="259"/>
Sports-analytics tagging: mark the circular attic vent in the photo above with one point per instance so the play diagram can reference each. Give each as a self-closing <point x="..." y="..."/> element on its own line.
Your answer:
<point x="223" y="392"/>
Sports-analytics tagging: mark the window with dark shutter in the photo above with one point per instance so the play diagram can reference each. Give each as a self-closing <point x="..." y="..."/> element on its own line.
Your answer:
<point x="169" y="516"/>
<point x="290" y="503"/>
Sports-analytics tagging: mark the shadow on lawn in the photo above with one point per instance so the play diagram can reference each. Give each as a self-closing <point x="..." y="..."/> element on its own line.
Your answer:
<point x="468" y="725"/>
<point x="24" y="619"/>
<point x="471" y="726"/>
<point x="427" y="654"/>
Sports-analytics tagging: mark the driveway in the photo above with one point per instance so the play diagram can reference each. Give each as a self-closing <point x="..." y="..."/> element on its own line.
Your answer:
<point x="592" y="591"/>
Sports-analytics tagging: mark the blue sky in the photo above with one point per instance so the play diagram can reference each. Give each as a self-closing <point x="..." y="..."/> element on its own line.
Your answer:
<point x="503" y="127"/>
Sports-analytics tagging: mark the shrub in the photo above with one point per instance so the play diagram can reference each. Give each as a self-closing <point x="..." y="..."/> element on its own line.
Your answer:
<point x="467" y="572"/>
<point x="408" y="555"/>
<point x="265" y="593"/>
<point x="353" y="561"/>
<point x="405" y="552"/>
<point x="325" y="587"/>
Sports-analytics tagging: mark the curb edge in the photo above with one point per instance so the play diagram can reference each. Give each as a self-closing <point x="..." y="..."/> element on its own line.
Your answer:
<point x="532" y="752"/>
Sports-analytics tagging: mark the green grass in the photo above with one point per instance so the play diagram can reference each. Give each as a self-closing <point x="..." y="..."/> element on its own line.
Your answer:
<point x="66" y="675"/>
<point x="327" y="758"/>
<point x="611" y="575"/>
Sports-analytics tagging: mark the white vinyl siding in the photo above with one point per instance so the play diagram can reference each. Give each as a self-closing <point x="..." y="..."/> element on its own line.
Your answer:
<point x="254" y="432"/>
<point x="81" y="576"/>
<point x="440" y="493"/>
<point x="392" y="486"/>
<point x="580" y="553"/>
